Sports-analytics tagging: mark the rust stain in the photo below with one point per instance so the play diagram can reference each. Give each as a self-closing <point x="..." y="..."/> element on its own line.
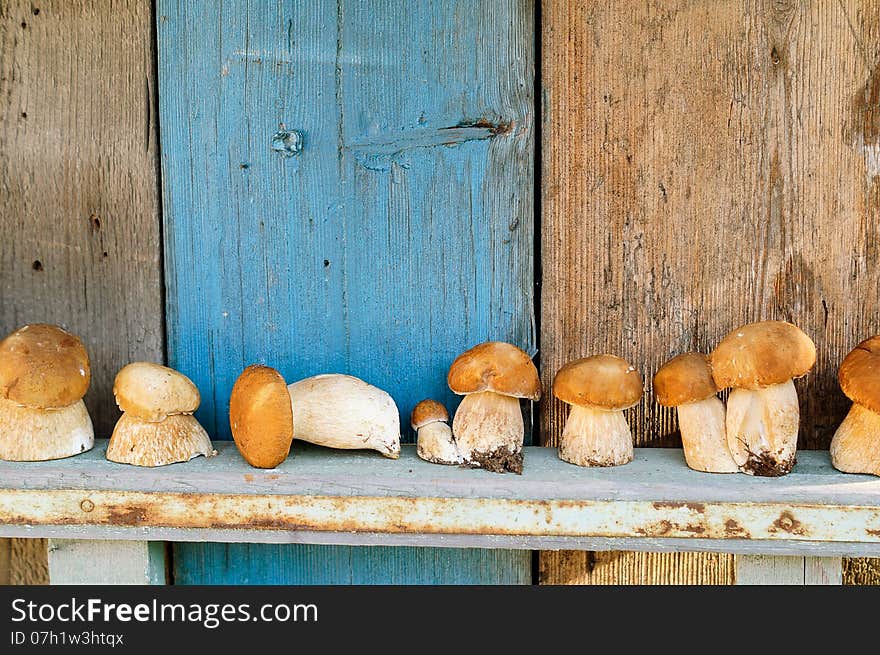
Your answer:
<point x="873" y="533"/>
<point x="694" y="528"/>
<point x="125" y="515"/>
<point x="788" y="523"/>
<point x="734" y="529"/>
<point x="655" y="529"/>
<point x="699" y="508"/>
<point x="248" y="477"/>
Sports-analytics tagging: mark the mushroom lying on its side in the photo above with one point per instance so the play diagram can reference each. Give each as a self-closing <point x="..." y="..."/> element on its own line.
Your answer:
<point x="598" y="388"/>
<point x="44" y="374"/>
<point x="157" y="427"/>
<point x="855" y="447"/>
<point x="336" y="411"/>
<point x="685" y="382"/>
<point x="488" y="425"/>
<point x="435" y="442"/>
<point x="759" y="361"/>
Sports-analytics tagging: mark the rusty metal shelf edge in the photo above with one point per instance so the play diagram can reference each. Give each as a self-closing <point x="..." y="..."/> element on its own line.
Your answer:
<point x="326" y="497"/>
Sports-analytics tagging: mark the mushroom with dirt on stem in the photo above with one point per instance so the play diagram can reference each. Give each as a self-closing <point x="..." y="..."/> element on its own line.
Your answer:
<point x="331" y="410"/>
<point x="598" y="388"/>
<point x="685" y="382"/>
<point x="435" y="442"/>
<point x="44" y="374"/>
<point x="157" y="426"/>
<point x="759" y="361"/>
<point x="855" y="447"/>
<point x="488" y="425"/>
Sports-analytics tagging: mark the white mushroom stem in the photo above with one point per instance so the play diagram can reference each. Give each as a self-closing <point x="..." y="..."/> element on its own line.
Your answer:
<point x="594" y="436"/>
<point x="436" y="444"/>
<point x="486" y="423"/>
<point x="762" y="428"/>
<point x="341" y="411"/>
<point x="855" y="447"/>
<point x="33" y="435"/>
<point x="704" y="437"/>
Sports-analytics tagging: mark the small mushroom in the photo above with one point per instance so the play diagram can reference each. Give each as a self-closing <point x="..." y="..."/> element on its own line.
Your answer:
<point x="855" y="447"/>
<point x="759" y="361"/>
<point x="336" y="411"/>
<point x="488" y="425"/>
<point x="436" y="444"/>
<point x="157" y="427"/>
<point x="598" y="388"/>
<point x="44" y="374"/>
<point x="685" y="382"/>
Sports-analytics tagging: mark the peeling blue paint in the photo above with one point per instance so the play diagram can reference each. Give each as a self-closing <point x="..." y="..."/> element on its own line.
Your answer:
<point x="415" y="156"/>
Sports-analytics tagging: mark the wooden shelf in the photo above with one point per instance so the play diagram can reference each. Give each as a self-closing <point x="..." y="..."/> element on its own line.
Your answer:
<point x="321" y="496"/>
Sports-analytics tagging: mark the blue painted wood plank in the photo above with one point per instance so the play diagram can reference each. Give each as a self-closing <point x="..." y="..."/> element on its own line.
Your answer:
<point x="399" y="234"/>
<point x="304" y="564"/>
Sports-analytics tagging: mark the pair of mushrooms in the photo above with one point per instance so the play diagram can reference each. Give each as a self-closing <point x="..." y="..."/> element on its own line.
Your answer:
<point x="44" y="374"/>
<point x="337" y="411"/>
<point x="757" y="433"/>
<point x="487" y="431"/>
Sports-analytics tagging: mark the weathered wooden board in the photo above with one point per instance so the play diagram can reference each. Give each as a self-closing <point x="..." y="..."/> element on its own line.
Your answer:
<point x="323" y="496"/>
<point x="77" y="561"/>
<point x="347" y="188"/>
<point x="707" y="164"/>
<point x="752" y="570"/>
<point x="79" y="186"/>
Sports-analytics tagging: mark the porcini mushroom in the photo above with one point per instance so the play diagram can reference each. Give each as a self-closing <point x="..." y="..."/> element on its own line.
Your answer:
<point x="598" y="388"/>
<point x="44" y="374"/>
<point x="488" y="425"/>
<point x="855" y="447"/>
<point x="332" y="410"/>
<point x="435" y="442"/>
<point x="157" y="427"/>
<point x="759" y="361"/>
<point x="685" y="382"/>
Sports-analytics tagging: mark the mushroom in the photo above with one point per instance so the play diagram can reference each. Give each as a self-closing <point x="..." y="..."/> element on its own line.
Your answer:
<point x="598" y="388"/>
<point x="261" y="417"/>
<point x="157" y="426"/>
<point x="44" y="374"/>
<point x="759" y="361"/>
<point x="855" y="447"/>
<point x="488" y="425"/>
<point x="333" y="410"/>
<point x="436" y="444"/>
<point x="685" y="382"/>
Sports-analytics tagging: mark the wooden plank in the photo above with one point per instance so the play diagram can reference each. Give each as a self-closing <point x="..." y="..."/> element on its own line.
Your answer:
<point x="322" y="496"/>
<point x="623" y="568"/>
<point x="392" y="229"/>
<point x="705" y="165"/>
<point x="78" y="174"/>
<point x="752" y="570"/>
<point x="78" y="562"/>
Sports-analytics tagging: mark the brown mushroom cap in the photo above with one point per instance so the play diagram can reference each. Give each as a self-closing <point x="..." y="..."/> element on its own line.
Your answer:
<point x="684" y="379"/>
<point x="495" y="366"/>
<point x="428" y="411"/>
<point x="762" y="354"/>
<point x="261" y="416"/>
<point x="152" y="392"/>
<point x="859" y="374"/>
<point x="44" y="367"/>
<point x="603" y="381"/>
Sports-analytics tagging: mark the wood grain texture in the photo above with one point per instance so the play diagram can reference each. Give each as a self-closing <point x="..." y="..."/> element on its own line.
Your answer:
<point x="751" y="570"/>
<point x="78" y="178"/>
<point x="707" y="164"/>
<point x="392" y="231"/>
<point x="626" y="568"/>
<point x="89" y="562"/>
